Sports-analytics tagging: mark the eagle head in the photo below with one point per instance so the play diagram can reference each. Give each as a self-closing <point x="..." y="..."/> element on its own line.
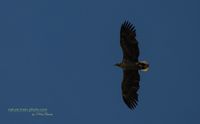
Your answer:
<point x="118" y="65"/>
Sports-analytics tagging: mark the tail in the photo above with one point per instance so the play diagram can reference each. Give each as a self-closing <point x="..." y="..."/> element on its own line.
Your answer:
<point x="143" y="65"/>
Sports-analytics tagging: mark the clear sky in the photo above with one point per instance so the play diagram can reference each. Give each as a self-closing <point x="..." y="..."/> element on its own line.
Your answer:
<point x="59" y="55"/>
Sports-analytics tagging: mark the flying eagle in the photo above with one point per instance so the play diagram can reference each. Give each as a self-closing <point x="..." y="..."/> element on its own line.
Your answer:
<point x="130" y="64"/>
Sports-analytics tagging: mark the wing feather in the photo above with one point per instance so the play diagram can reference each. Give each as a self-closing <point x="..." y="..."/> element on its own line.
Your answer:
<point x="130" y="86"/>
<point x="128" y="42"/>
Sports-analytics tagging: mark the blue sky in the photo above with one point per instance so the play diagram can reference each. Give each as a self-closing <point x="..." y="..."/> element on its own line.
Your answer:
<point x="60" y="55"/>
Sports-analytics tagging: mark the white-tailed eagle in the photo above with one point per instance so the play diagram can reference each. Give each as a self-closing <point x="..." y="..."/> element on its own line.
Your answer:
<point x="130" y="64"/>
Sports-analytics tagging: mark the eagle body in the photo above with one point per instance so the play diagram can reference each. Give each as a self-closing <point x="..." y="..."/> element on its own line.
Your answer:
<point x="130" y="64"/>
<point x="127" y="66"/>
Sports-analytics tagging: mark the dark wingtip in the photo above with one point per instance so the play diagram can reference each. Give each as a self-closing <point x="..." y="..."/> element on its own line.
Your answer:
<point x="126" y="25"/>
<point x="130" y="102"/>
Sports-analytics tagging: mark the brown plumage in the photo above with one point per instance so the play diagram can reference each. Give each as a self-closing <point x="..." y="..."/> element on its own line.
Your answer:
<point x="130" y="64"/>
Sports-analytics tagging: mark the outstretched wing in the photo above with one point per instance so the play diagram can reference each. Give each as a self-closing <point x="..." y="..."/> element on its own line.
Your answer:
<point x="128" y="42"/>
<point x="130" y="86"/>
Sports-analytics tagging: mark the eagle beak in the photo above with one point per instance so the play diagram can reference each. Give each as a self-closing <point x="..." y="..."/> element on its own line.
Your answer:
<point x="118" y="65"/>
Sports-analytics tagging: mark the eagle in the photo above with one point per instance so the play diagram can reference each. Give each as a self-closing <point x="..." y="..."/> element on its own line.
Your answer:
<point x="130" y="64"/>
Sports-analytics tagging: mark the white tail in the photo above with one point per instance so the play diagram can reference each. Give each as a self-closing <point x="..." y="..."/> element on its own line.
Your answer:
<point x="146" y="69"/>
